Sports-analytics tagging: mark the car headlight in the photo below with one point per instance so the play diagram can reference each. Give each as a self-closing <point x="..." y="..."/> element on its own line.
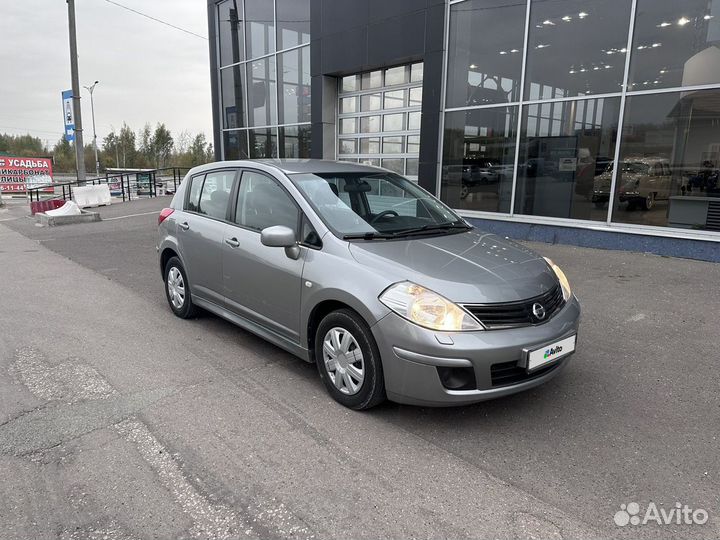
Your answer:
<point x="562" y="278"/>
<point x="427" y="308"/>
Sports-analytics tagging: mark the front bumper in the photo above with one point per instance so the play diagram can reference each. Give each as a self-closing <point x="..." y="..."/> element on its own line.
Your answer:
<point x="411" y="356"/>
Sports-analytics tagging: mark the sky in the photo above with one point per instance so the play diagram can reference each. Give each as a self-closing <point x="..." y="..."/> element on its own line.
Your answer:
<point x="148" y="72"/>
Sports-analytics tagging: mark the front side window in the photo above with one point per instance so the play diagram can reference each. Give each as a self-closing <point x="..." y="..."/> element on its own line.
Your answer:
<point x="375" y="204"/>
<point x="263" y="203"/>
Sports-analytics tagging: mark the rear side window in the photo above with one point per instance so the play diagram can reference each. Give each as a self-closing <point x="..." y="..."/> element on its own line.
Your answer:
<point x="193" y="200"/>
<point x="215" y="194"/>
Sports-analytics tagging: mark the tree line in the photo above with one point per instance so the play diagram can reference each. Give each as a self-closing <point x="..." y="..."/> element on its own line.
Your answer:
<point x="147" y="148"/>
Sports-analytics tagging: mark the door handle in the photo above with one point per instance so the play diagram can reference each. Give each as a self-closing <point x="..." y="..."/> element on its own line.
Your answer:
<point x="184" y="226"/>
<point x="232" y="242"/>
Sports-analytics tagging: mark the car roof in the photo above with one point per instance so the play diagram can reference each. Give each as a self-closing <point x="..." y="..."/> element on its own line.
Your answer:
<point x="294" y="166"/>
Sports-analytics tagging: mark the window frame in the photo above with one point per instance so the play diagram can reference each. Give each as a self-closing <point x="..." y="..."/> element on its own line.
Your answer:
<point x="204" y="175"/>
<point x="301" y="241"/>
<point x="235" y="194"/>
<point x="188" y="191"/>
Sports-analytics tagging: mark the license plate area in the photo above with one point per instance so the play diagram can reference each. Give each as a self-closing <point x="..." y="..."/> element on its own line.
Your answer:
<point x="549" y="353"/>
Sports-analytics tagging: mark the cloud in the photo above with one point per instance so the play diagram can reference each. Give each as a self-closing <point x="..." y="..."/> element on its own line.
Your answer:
<point x="148" y="72"/>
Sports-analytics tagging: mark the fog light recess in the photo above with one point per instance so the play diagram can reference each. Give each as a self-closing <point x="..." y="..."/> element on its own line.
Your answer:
<point x="457" y="378"/>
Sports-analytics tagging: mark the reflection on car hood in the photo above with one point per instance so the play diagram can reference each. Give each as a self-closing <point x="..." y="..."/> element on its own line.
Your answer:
<point x="469" y="267"/>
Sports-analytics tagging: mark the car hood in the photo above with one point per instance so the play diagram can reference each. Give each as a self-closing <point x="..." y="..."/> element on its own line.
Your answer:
<point x="468" y="267"/>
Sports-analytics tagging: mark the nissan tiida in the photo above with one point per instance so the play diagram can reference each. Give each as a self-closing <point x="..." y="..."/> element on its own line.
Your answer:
<point x="361" y="271"/>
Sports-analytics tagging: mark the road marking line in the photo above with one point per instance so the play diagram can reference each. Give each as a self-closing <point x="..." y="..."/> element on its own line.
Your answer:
<point x="129" y="215"/>
<point x="209" y="520"/>
<point x="73" y="381"/>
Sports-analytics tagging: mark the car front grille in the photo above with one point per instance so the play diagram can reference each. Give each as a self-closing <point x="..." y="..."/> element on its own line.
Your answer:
<point x="507" y="373"/>
<point x="517" y="314"/>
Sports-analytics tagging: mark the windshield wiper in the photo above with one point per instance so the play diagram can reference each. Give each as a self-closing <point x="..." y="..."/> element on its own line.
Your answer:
<point x="431" y="227"/>
<point x="367" y="236"/>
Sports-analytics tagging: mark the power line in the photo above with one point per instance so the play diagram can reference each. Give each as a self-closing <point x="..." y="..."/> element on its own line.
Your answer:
<point x="155" y="19"/>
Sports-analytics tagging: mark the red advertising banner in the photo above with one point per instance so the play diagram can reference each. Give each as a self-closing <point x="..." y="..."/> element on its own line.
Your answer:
<point x="18" y="174"/>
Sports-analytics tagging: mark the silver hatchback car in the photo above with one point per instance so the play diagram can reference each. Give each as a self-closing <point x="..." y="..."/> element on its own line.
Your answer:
<point x="361" y="271"/>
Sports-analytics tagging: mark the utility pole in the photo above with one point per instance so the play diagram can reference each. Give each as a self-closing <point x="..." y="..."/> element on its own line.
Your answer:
<point x="79" y="146"/>
<point x="92" y="109"/>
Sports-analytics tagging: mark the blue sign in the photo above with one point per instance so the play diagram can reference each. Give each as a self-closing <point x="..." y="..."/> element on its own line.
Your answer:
<point x="68" y="115"/>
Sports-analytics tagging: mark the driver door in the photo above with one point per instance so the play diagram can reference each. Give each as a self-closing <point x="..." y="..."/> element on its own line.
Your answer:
<point x="262" y="283"/>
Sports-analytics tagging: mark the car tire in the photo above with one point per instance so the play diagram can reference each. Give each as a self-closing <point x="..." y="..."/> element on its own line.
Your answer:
<point x="648" y="202"/>
<point x="346" y="333"/>
<point x="464" y="191"/>
<point x="177" y="289"/>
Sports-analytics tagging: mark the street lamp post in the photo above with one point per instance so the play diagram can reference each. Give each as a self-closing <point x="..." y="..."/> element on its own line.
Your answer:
<point x="92" y="110"/>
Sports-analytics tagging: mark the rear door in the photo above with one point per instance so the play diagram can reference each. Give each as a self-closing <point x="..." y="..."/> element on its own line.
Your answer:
<point x="262" y="283"/>
<point x="201" y="231"/>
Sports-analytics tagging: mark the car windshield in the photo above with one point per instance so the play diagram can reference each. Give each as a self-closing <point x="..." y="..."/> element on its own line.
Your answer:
<point x="372" y="205"/>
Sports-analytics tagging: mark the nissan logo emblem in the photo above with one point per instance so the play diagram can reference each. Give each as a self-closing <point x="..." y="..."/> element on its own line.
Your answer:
<point x="539" y="311"/>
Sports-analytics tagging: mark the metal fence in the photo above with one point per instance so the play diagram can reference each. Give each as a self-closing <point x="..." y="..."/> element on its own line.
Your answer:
<point x="127" y="185"/>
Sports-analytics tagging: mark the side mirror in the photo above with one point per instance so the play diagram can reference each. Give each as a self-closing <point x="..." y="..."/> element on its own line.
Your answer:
<point x="281" y="236"/>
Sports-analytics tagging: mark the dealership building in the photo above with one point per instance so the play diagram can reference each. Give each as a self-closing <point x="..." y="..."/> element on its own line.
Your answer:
<point x="515" y="113"/>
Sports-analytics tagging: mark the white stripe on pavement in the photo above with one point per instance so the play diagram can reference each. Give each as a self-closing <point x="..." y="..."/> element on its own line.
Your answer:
<point x="130" y="215"/>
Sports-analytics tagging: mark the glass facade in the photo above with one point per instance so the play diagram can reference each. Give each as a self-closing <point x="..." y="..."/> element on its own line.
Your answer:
<point x="264" y="78"/>
<point x="544" y="97"/>
<point x="379" y="118"/>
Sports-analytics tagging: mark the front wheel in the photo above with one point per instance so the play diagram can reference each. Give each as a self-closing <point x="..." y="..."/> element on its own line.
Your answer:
<point x="349" y="361"/>
<point x="177" y="289"/>
<point x="648" y="202"/>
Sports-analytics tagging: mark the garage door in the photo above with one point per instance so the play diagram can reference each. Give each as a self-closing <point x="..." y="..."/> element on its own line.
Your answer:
<point x="379" y="118"/>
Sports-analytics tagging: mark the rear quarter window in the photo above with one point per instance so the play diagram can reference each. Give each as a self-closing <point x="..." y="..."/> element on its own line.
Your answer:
<point x="193" y="200"/>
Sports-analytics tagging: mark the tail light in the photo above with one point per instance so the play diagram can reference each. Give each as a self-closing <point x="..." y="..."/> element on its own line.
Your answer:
<point x="164" y="214"/>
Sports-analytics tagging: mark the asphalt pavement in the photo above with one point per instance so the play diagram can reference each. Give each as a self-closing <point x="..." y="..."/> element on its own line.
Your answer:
<point x="119" y="420"/>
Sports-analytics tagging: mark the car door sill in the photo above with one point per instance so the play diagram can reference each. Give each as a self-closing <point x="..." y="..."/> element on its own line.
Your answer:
<point x="253" y="327"/>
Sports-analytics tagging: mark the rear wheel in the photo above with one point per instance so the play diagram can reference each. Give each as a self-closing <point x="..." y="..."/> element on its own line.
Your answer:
<point x="349" y="361"/>
<point x="177" y="290"/>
